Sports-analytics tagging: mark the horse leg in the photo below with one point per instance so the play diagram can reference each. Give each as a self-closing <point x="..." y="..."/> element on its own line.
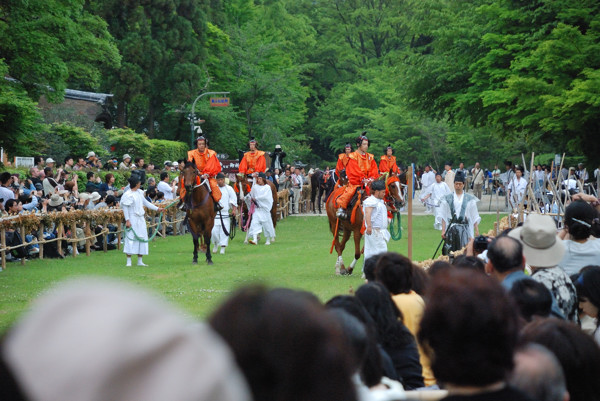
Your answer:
<point x="357" y="237"/>
<point x="340" y="269"/>
<point x="196" y="246"/>
<point x="208" y="254"/>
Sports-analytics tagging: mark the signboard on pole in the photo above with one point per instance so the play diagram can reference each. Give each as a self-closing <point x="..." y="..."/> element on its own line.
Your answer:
<point x="219" y="101"/>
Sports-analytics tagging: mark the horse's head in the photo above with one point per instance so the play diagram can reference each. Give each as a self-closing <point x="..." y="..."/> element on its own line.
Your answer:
<point x="393" y="191"/>
<point x="343" y="178"/>
<point x="189" y="174"/>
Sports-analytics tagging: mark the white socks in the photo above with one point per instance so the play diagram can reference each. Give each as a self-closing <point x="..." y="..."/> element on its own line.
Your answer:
<point x="222" y="252"/>
<point x="128" y="261"/>
<point x="140" y="263"/>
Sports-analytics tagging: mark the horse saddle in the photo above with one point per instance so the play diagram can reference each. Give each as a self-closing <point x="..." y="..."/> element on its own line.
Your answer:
<point x="354" y="198"/>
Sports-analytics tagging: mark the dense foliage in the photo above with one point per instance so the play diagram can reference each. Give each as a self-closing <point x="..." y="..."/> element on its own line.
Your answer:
<point x="437" y="79"/>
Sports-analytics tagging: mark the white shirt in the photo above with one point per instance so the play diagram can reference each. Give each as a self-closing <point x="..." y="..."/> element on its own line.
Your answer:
<point x="166" y="189"/>
<point x="578" y="255"/>
<point x="379" y="213"/>
<point x="6" y="193"/>
<point x="228" y="199"/>
<point x="570" y="183"/>
<point x="517" y="189"/>
<point x="428" y="178"/>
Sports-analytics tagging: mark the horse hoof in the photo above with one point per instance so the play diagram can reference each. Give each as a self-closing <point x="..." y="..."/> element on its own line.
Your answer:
<point x="350" y="270"/>
<point x="194" y="262"/>
<point x="337" y="271"/>
<point x="343" y="271"/>
<point x="209" y="262"/>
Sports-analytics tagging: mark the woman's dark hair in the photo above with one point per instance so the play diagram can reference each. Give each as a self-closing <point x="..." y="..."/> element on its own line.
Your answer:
<point x="372" y="368"/>
<point x="48" y="172"/>
<point x="437" y="267"/>
<point x="69" y="185"/>
<point x="469" y="329"/>
<point x="108" y="177"/>
<point x="588" y="285"/>
<point x="286" y="345"/>
<point x="532" y="298"/>
<point x="369" y="267"/>
<point x="579" y="217"/>
<point x="89" y="175"/>
<point x="395" y="272"/>
<point x="576" y="351"/>
<point x="387" y="317"/>
<point x="355" y="332"/>
<point x="420" y="280"/>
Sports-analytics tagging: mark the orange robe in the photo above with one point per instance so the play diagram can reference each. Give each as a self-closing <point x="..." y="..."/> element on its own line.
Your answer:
<point x="358" y="168"/>
<point x="253" y="162"/>
<point x="207" y="163"/>
<point x="388" y="162"/>
<point x="341" y="163"/>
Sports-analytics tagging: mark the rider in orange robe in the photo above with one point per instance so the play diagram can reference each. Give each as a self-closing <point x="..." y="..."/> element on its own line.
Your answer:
<point x="360" y="169"/>
<point x="388" y="162"/>
<point x="207" y="164"/>
<point x="253" y="162"/>
<point x="343" y="159"/>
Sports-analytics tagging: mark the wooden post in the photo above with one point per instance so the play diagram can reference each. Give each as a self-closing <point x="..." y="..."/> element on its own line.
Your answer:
<point x="87" y="233"/>
<point x="2" y="246"/>
<point x="164" y="224"/>
<point x="74" y="238"/>
<point x="41" y="238"/>
<point x="59" y="237"/>
<point x="104" y="237"/>
<point x="22" y="232"/>
<point x="409" y="182"/>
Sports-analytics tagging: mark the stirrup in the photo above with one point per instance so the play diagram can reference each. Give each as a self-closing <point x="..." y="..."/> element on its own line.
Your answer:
<point x="341" y="213"/>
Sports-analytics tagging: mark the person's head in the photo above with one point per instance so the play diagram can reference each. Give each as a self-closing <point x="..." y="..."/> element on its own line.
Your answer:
<point x="90" y="175"/>
<point x="420" y="280"/>
<point x="459" y="182"/>
<point x="538" y="374"/>
<point x="362" y="142"/>
<point x="427" y="168"/>
<point x="576" y="351"/>
<point x="505" y="255"/>
<point x="395" y="272"/>
<point x="261" y="179"/>
<point x="126" y="159"/>
<point x="519" y="171"/>
<point x="348" y="148"/>
<point x="151" y="181"/>
<point x="252" y="145"/>
<point x="48" y="172"/>
<point x="5" y="178"/>
<point x="288" y="172"/>
<point x="355" y="333"/>
<point x="508" y="164"/>
<point x="542" y="247"/>
<point x="139" y="162"/>
<point x="134" y="182"/>
<point x="370" y="266"/>
<point x="461" y="165"/>
<point x="389" y="150"/>
<point x="471" y="326"/>
<point x="477" y="166"/>
<point x="439" y="267"/>
<point x="448" y="166"/>
<point x="201" y="143"/>
<point x="472" y="263"/>
<point x="50" y="162"/>
<point x="91" y="156"/>
<point x="109" y="178"/>
<point x="13" y="206"/>
<point x="532" y="298"/>
<point x="286" y="345"/>
<point x="378" y="302"/>
<point x="378" y="189"/>
<point x="438" y="178"/>
<point x="69" y="186"/>
<point x="163" y="356"/>
<point x="80" y="161"/>
<point x="110" y="200"/>
<point x="38" y="161"/>
<point x="588" y="291"/>
<point x="164" y="176"/>
<point x="579" y="219"/>
<point x="69" y="161"/>
<point x="221" y="179"/>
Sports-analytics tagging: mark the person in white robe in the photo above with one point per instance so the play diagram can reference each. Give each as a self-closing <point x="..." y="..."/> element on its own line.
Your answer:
<point x="515" y="191"/>
<point x="262" y="199"/>
<point x="433" y="198"/>
<point x="459" y="215"/>
<point x="375" y="221"/>
<point x="222" y="219"/>
<point x="427" y="180"/>
<point x="132" y="203"/>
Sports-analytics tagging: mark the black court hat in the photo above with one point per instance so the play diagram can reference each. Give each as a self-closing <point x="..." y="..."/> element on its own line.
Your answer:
<point x="220" y="175"/>
<point x="460" y="177"/>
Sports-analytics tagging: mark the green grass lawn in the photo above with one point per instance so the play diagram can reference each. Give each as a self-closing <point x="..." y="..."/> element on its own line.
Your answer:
<point x="298" y="259"/>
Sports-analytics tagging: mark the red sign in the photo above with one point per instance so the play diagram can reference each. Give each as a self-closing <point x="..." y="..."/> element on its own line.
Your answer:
<point x="219" y="101"/>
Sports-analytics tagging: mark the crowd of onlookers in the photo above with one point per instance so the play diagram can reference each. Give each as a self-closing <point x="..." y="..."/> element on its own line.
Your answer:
<point x="517" y="319"/>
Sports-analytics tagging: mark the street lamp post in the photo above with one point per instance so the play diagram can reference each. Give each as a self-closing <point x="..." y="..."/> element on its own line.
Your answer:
<point x="193" y="115"/>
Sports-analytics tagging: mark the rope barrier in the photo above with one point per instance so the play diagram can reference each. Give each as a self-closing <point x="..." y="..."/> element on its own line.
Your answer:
<point x="396" y="226"/>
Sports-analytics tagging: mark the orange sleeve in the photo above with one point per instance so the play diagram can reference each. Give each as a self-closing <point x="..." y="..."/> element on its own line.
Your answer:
<point x="383" y="165"/>
<point x="339" y="166"/>
<point x="243" y="165"/>
<point x="190" y="155"/>
<point x="213" y="166"/>
<point x="261" y="164"/>
<point x="373" y="172"/>
<point x="353" y="172"/>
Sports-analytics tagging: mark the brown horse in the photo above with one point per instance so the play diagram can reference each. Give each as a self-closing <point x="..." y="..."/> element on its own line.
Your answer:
<point x="241" y="188"/>
<point x="354" y="225"/>
<point x="200" y="211"/>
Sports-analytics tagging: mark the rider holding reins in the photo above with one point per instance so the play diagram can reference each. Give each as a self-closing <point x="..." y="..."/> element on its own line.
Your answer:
<point x="253" y="162"/>
<point x="208" y="166"/>
<point x="361" y="170"/>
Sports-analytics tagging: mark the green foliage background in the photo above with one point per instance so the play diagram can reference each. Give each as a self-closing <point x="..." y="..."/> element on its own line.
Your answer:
<point x="475" y="80"/>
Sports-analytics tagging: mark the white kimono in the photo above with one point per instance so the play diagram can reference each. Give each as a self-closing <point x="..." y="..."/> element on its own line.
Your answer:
<point x="471" y="212"/>
<point x="376" y="243"/>
<point x="517" y="190"/>
<point x="132" y="203"/>
<point x="261" y="219"/>
<point x="438" y="190"/>
<point x="427" y="180"/>
<point x="228" y="200"/>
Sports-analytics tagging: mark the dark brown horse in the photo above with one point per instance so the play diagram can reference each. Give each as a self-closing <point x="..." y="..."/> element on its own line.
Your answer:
<point x="200" y="211"/>
<point x="354" y="224"/>
<point x="242" y="186"/>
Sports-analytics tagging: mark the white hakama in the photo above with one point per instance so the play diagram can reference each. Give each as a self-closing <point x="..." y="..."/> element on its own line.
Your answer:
<point x="376" y="242"/>
<point x="261" y="218"/>
<point x="132" y="203"/>
<point x="437" y="190"/>
<point x="228" y="200"/>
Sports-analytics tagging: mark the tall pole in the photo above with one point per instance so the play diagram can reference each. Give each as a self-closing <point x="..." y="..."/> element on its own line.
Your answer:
<point x="409" y="182"/>
<point x="193" y="115"/>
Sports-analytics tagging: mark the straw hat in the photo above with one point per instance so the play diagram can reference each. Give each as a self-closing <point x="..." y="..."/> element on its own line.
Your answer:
<point x="126" y="156"/>
<point x="542" y="247"/>
<point x="90" y="154"/>
<point x="84" y="196"/>
<point x="56" y="200"/>
<point x="95" y="196"/>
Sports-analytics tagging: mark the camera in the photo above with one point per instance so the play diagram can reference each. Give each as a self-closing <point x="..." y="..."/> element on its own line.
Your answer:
<point x="480" y="244"/>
